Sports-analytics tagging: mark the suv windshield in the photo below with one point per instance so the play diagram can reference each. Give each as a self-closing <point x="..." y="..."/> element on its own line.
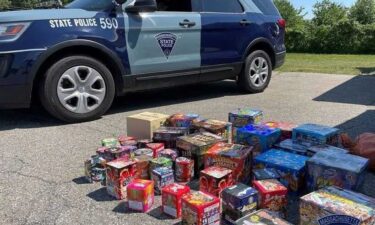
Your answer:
<point x="90" y="5"/>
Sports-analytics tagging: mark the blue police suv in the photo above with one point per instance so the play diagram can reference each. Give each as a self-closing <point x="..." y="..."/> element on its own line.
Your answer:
<point x="77" y="58"/>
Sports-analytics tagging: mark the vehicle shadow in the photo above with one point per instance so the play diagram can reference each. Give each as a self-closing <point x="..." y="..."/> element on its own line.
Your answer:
<point x="363" y="123"/>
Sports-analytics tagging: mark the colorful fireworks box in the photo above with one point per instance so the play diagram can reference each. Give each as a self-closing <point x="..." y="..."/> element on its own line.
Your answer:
<point x="142" y="143"/>
<point x="184" y="169"/>
<point x="238" y="201"/>
<point x="215" y="179"/>
<point x="262" y="217"/>
<point x="156" y="148"/>
<point x="144" y="151"/>
<point x="266" y="174"/>
<point x="291" y="167"/>
<point x="325" y="148"/>
<point x="162" y="177"/>
<point x="143" y="167"/>
<point x="259" y="136"/>
<point x="181" y="120"/>
<point x="143" y="125"/>
<point x="314" y="134"/>
<point x="220" y="128"/>
<point x="120" y="173"/>
<point x="194" y="146"/>
<point x="160" y="162"/>
<point x="333" y="205"/>
<point x="243" y="117"/>
<point x="141" y="195"/>
<point x="199" y="208"/>
<point x="110" y="142"/>
<point x="272" y="194"/>
<point x="286" y="129"/>
<point x="169" y="153"/>
<point x="172" y="197"/>
<point x="237" y="158"/>
<point x="95" y="169"/>
<point x="334" y="169"/>
<point x="169" y="135"/>
<point x="291" y="146"/>
<point x="126" y="141"/>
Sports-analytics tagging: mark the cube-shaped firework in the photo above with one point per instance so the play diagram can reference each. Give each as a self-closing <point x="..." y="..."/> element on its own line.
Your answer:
<point x="110" y="154"/>
<point x="95" y="169"/>
<point x="162" y="177"/>
<point x="140" y="195"/>
<point x="285" y="127"/>
<point x="169" y="135"/>
<point x="266" y="174"/>
<point x="127" y="141"/>
<point x="110" y="142"/>
<point x="181" y="120"/>
<point x="220" y="128"/>
<point x="314" y="134"/>
<point x="156" y="148"/>
<point x="172" y="197"/>
<point x="161" y="162"/>
<point x="199" y="208"/>
<point x="169" y="153"/>
<point x="214" y="180"/>
<point x="143" y="166"/>
<point x="243" y="117"/>
<point x="144" y="151"/>
<point x="273" y="195"/>
<point x="184" y="169"/>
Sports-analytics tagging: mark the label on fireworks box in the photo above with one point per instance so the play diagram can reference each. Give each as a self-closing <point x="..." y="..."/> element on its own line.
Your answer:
<point x="286" y="129"/>
<point x="220" y="128"/>
<point x="332" y="205"/>
<point x="156" y="148"/>
<point x="335" y="169"/>
<point x="273" y="195"/>
<point x="291" y="167"/>
<point x="169" y="135"/>
<point x="237" y="158"/>
<point x="215" y="179"/>
<point x="162" y="177"/>
<point x="120" y="173"/>
<point x="200" y="209"/>
<point x="143" y="166"/>
<point x="266" y="174"/>
<point x="140" y="195"/>
<point x="144" y="151"/>
<point x="314" y="134"/>
<point x="184" y="169"/>
<point x="262" y="217"/>
<point x="172" y="197"/>
<point x="161" y="162"/>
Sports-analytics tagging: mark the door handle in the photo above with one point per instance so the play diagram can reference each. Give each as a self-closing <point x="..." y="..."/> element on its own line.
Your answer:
<point x="245" y="22"/>
<point x="187" y="24"/>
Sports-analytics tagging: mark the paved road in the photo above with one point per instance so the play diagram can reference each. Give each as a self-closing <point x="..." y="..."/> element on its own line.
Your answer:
<point x="41" y="159"/>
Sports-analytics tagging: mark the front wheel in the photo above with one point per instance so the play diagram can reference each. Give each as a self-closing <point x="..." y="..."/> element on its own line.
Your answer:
<point x="257" y="72"/>
<point x="77" y="89"/>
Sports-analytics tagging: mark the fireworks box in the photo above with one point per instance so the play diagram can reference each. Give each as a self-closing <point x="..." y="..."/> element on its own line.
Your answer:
<point x="160" y="162"/>
<point x="266" y="174"/>
<point x="144" y="151"/>
<point x="144" y="124"/>
<point x="169" y="135"/>
<point x="181" y="120"/>
<point x="314" y="134"/>
<point x="311" y="151"/>
<point x="332" y="205"/>
<point x="162" y="177"/>
<point x="259" y="136"/>
<point x="156" y="148"/>
<point x="286" y="129"/>
<point x="243" y="117"/>
<point x="262" y="217"/>
<point x="238" y="201"/>
<point x="169" y="153"/>
<point x="291" y="146"/>
<point x="95" y="169"/>
<point x="172" y="197"/>
<point x="194" y="146"/>
<point x="110" y="154"/>
<point x="199" y="208"/>
<point x="110" y="142"/>
<point x="215" y="179"/>
<point x="272" y="194"/>
<point x="220" y="128"/>
<point x="120" y="173"/>
<point x="142" y="143"/>
<point x="335" y="169"/>
<point x="143" y="167"/>
<point x="125" y="140"/>
<point x="291" y="167"/>
<point x="237" y="158"/>
<point x="141" y="195"/>
<point x="184" y="169"/>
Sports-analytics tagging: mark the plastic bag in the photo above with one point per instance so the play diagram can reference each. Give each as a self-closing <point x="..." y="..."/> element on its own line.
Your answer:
<point x="363" y="146"/>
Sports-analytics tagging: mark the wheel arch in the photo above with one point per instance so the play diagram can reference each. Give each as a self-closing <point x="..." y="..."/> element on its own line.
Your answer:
<point x="261" y="44"/>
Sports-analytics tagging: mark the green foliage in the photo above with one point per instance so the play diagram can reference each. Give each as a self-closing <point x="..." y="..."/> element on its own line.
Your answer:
<point x="327" y="12"/>
<point x="363" y="11"/>
<point x="4" y="4"/>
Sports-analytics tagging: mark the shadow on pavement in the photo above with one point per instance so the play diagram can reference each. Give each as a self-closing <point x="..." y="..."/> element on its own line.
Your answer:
<point x="360" y="124"/>
<point x="157" y="213"/>
<point x="80" y="180"/>
<point x="359" y="90"/>
<point x="101" y="195"/>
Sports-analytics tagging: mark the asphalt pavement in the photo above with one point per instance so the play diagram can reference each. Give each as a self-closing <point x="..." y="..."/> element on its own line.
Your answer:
<point x="41" y="159"/>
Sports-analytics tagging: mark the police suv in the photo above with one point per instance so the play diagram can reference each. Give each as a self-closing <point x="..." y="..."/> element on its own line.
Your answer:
<point x="77" y="58"/>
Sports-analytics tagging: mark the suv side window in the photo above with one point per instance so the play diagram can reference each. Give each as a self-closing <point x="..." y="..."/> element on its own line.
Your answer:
<point x="223" y="6"/>
<point x="264" y="6"/>
<point x="174" y="5"/>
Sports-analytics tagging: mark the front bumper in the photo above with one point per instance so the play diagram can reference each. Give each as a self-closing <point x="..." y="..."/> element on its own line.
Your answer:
<point x="279" y="59"/>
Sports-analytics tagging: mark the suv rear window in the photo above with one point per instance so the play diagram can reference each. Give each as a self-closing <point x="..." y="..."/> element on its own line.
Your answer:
<point x="224" y="6"/>
<point x="263" y="6"/>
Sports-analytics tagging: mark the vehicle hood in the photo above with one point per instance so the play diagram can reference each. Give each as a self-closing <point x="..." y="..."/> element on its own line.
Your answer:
<point x="44" y="14"/>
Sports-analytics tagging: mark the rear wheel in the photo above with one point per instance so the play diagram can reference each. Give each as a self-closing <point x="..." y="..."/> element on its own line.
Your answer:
<point x="257" y="72"/>
<point x="77" y="89"/>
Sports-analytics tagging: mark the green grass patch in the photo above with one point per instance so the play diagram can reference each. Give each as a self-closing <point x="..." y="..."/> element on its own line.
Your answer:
<point x="327" y="63"/>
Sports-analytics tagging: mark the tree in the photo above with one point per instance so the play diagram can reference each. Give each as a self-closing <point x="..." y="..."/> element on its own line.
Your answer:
<point x="24" y="3"/>
<point x="363" y="11"/>
<point x="4" y="4"/>
<point x="327" y="12"/>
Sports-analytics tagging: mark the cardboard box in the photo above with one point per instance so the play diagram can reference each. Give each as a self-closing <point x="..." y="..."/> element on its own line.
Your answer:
<point x="215" y="179"/>
<point x="326" y="204"/>
<point x="162" y="177"/>
<point x="314" y="134"/>
<point x="169" y="135"/>
<point x="220" y="128"/>
<point x="262" y="217"/>
<point x="156" y="148"/>
<point x="171" y="199"/>
<point x="120" y="173"/>
<point x="291" y="167"/>
<point x="237" y="158"/>
<point x="199" y="208"/>
<point x="261" y="137"/>
<point x="243" y="117"/>
<point x="266" y="174"/>
<point x="285" y="127"/>
<point x="272" y="194"/>
<point x="143" y="125"/>
<point x="143" y="167"/>
<point x="141" y="195"/>
<point x="238" y="201"/>
<point x="335" y="169"/>
<point x="194" y="147"/>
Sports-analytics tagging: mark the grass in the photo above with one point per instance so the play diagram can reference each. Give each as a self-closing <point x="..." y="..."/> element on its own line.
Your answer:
<point x="327" y="63"/>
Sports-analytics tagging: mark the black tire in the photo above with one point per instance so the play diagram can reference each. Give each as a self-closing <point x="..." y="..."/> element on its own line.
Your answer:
<point x="244" y="81"/>
<point x="48" y="89"/>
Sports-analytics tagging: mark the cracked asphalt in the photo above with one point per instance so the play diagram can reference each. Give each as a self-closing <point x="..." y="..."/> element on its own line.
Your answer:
<point x="41" y="159"/>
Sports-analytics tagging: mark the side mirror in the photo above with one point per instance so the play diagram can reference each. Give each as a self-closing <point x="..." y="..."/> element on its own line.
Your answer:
<point x="138" y="6"/>
<point x="119" y="2"/>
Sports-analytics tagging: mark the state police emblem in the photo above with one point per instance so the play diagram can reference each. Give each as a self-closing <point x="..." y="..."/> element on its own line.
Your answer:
<point x="339" y="220"/>
<point x="166" y="42"/>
